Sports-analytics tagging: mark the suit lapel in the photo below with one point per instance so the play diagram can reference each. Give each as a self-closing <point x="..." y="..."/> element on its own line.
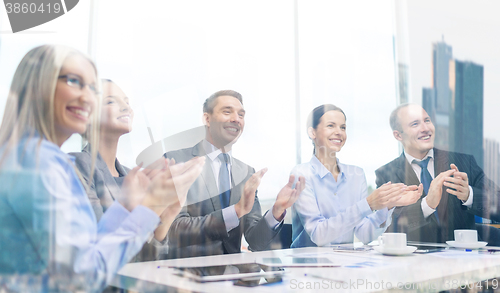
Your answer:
<point x="121" y="169"/>
<point x="410" y="176"/>
<point x="207" y="176"/>
<point x="405" y="172"/>
<point x="108" y="180"/>
<point x="441" y="164"/>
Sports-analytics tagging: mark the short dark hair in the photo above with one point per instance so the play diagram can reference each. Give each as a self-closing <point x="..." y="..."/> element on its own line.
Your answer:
<point x="318" y="112"/>
<point x="208" y="106"/>
<point x="394" y="119"/>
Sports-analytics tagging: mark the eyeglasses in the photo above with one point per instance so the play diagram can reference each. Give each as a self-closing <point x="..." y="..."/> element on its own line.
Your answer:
<point x="74" y="81"/>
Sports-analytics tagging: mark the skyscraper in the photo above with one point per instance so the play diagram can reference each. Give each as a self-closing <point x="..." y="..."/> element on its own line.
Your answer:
<point x="441" y="57"/>
<point x="492" y="168"/>
<point x="466" y="115"/>
<point x="455" y="102"/>
<point x="403" y="83"/>
<point x="429" y="102"/>
<point x="437" y="99"/>
<point x="492" y="160"/>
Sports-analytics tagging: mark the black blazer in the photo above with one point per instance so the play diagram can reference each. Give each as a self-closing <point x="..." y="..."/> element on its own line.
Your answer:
<point x="199" y="229"/>
<point x="452" y="213"/>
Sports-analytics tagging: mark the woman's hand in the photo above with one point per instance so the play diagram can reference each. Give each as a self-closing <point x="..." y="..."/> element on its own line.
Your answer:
<point x="136" y="183"/>
<point x="385" y="195"/>
<point x="134" y="188"/>
<point x="408" y="196"/>
<point x="168" y="190"/>
<point x="161" y="187"/>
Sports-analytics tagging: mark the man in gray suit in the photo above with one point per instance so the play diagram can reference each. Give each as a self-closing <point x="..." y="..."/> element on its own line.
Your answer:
<point x="222" y="204"/>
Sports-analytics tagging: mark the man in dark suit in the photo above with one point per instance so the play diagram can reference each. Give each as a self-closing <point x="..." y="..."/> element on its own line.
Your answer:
<point x="454" y="185"/>
<point x="222" y="204"/>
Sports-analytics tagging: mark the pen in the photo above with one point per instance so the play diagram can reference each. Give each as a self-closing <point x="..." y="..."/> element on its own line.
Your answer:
<point x="320" y="277"/>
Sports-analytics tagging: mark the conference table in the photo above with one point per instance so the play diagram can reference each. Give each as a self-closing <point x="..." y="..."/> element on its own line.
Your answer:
<point x="360" y="269"/>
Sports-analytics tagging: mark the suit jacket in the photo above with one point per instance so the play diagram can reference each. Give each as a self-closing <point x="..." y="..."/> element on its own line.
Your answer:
<point x="452" y="213"/>
<point x="102" y="191"/>
<point x="199" y="229"/>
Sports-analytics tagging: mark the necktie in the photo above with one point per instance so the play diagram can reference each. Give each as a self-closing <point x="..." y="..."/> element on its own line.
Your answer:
<point x="224" y="184"/>
<point x="425" y="179"/>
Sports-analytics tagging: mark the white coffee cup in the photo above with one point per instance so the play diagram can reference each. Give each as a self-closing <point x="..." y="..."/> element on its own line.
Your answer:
<point x="465" y="236"/>
<point x="392" y="240"/>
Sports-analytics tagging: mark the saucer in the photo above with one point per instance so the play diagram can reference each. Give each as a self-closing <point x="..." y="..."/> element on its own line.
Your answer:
<point x="395" y="251"/>
<point x="470" y="245"/>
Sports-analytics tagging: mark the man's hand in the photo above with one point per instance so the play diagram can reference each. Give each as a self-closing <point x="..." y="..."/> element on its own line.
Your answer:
<point x="245" y="205"/>
<point x="384" y="195"/>
<point x="287" y="196"/>
<point x="458" y="185"/>
<point x="436" y="189"/>
<point x="409" y="196"/>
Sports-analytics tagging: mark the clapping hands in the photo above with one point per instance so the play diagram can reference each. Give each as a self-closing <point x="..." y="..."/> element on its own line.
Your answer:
<point x="161" y="187"/>
<point x="391" y="195"/>
<point x="287" y="196"/>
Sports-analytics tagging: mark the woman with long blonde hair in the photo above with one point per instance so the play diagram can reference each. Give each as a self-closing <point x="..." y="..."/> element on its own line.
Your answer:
<point x="48" y="230"/>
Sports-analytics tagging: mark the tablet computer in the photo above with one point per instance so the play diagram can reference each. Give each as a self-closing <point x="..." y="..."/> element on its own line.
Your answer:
<point x="297" y="262"/>
<point x="249" y="274"/>
<point x="428" y="249"/>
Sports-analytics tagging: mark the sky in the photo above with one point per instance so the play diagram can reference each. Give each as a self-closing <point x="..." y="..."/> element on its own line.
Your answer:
<point x="472" y="29"/>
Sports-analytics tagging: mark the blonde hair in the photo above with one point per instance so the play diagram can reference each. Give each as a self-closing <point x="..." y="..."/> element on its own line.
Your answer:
<point x="30" y="103"/>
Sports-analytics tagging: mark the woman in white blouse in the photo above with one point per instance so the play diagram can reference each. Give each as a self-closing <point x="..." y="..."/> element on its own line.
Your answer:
<point x="335" y="205"/>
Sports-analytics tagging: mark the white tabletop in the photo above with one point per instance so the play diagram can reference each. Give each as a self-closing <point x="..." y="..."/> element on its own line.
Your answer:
<point x="365" y="271"/>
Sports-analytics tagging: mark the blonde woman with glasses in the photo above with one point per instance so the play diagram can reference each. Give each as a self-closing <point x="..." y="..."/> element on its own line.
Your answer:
<point x="49" y="237"/>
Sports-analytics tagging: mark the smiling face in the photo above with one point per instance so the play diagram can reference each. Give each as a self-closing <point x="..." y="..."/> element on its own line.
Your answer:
<point x="417" y="135"/>
<point x="226" y="122"/>
<point x="116" y="113"/>
<point x="72" y="105"/>
<point x="330" y="135"/>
